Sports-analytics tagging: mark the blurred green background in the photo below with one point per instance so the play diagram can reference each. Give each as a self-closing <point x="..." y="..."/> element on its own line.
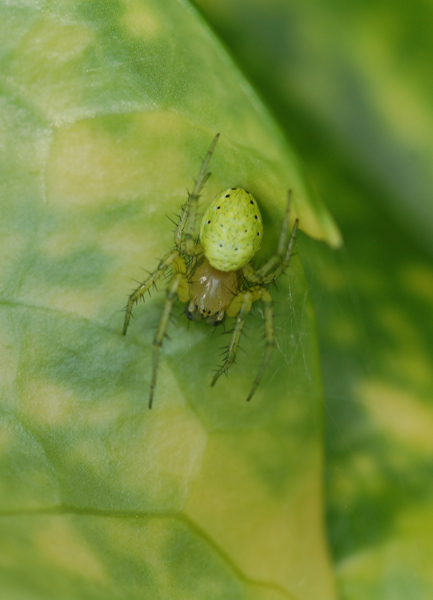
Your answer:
<point x="352" y="85"/>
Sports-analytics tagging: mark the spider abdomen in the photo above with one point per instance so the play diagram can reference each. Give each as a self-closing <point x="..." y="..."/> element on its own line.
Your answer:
<point x="231" y="230"/>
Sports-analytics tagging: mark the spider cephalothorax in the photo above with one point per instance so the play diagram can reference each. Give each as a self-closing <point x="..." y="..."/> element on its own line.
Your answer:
<point x="211" y="292"/>
<point x="214" y="273"/>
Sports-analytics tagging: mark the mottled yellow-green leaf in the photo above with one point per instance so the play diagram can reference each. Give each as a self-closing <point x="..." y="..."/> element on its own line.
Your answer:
<point x="351" y="83"/>
<point x="107" y="109"/>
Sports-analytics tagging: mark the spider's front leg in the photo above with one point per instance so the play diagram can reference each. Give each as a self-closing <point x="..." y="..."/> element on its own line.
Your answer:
<point x="178" y="287"/>
<point x="146" y="285"/>
<point x="268" y="314"/>
<point x="239" y="308"/>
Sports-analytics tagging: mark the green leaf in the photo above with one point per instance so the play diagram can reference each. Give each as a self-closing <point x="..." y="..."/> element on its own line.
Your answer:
<point x="107" y="111"/>
<point x="352" y="85"/>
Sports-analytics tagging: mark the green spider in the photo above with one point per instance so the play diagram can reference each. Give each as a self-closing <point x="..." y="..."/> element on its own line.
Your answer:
<point x="214" y="275"/>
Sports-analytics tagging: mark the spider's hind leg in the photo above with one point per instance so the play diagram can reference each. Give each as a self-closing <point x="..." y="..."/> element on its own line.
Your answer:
<point x="186" y="230"/>
<point x="279" y="261"/>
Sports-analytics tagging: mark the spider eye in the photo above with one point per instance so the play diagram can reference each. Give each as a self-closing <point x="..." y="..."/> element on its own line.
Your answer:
<point x="193" y="313"/>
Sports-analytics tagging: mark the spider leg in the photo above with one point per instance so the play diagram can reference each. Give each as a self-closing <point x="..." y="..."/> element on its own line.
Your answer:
<point x="174" y="289"/>
<point x="146" y="285"/>
<point x="281" y="259"/>
<point x="189" y="211"/>
<point x="241" y="309"/>
<point x="268" y="312"/>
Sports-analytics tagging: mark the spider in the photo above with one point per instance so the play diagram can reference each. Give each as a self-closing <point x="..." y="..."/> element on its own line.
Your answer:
<point x="212" y="271"/>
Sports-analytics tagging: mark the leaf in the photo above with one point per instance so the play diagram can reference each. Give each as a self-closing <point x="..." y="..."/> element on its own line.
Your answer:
<point x="352" y="85"/>
<point x="107" y="111"/>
